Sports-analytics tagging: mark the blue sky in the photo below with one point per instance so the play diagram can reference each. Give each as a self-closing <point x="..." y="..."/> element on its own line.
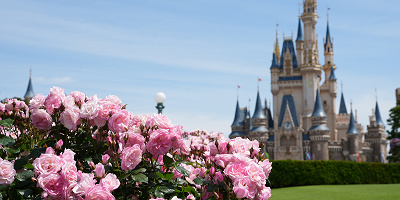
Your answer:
<point x="196" y="52"/>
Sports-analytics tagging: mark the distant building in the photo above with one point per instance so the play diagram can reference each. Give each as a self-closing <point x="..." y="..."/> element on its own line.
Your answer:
<point x="29" y="94"/>
<point x="397" y="95"/>
<point x="305" y="125"/>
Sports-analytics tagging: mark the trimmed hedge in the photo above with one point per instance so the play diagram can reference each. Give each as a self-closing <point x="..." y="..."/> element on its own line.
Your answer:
<point x="287" y="173"/>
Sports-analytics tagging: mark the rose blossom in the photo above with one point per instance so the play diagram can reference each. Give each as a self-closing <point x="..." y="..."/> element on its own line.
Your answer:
<point x="68" y="156"/>
<point x="85" y="181"/>
<point x="98" y="192"/>
<point x="119" y="121"/>
<point x="131" y="138"/>
<point x="159" y="143"/>
<point x="105" y="158"/>
<point x="37" y="101"/>
<point x="69" y="118"/>
<point x="69" y="172"/>
<point x="78" y="96"/>
<point x="113" y="99"/>
<point x="41" y="119"/>
<point x="52" y="184"/>
<point x="161" y="121"/>
<point x="59" y="144"/>
<point x="131" y="157"/>
<point x="7" y="172"/>
<point x="90" y="109"/>
<point x="55" y="99"/>
<point x="110" y="182"/>
<point x="100" y="171"/>
<point x="48" y="164"/>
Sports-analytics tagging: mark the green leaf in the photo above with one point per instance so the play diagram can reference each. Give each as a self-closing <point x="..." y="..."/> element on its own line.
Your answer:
<point x="198" y="181"/>
<point x="180" y="181"/>
<point x="7" y="141"/>
<point x="169" y="176"/>
<point x="20" y="163"/>
<point x="28" y="166"/>
<point x="3" y="187"/>
<point x="25" y="193"/>
<point x="166" y="190"/>
<point x="267" y="155"/>
<point x="140" y="178"/>
<point x="6" y="122"/>
<point x="37" y="152"/>
<point x="25" y="175"/>
<point x="212" y="188"/>
<point x="141" y="170"/>
<point x="159" y="175"/>
<point x="10" y="150"/>
<point x="158" y="193"/>
<point x="182" y="170"/>
<point x="167" y="160"/>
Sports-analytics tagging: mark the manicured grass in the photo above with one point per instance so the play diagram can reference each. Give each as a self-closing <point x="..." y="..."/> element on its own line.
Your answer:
<point x="339" y="192"/>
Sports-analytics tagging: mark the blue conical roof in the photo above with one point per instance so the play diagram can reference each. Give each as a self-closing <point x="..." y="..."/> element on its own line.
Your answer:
<point x="342" y="108"/>
<point x="332" y="76"/>
<point x="318" y="109"/>
<point x="29" y="91"/>
<point x="274" y="61"/>
<point x="259" y="111"/>
<point x="239" y="116"/>
<point x="352" y="125"/>
<point x="299" y="32"/>
<point x="328" y="36"/>
<point x="378" y="115"/>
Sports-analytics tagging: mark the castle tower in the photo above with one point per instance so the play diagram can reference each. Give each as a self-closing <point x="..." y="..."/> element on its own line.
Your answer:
<point x="29" y="91"/>
<point x="311" y="69"/>
<point x="238" y="122"/>
<point x="352" y="138"/>
<point x="299" y="44"/>
<point x="376" y="136"/>
<point x="319" y="131"/>
<point x="259" y="122"/>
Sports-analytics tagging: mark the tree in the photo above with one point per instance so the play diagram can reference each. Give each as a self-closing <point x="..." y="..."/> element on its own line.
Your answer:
<point x="394" y="133"/>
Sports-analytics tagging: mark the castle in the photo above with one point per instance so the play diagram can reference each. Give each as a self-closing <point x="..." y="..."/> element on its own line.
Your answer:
<point x="304" y="124"/>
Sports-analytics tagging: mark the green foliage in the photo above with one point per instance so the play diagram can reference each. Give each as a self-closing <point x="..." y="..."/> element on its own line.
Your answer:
<point x="394" y="123"/>
<point x="287" y="173"/>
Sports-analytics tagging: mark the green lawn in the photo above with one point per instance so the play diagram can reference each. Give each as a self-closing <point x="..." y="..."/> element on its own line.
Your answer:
<point x="339" y="192"/>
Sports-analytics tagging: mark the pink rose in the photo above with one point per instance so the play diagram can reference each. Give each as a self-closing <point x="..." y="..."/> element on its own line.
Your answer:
<point x="50" y="150"/>
<point x="241" y="191"/>
<point x="265" y="194"/>
<point x="113" y="99"/>
<point x="69" y="172"/>
<point x="119" y="121"/>
<point x="85" y="182"/>
<point x="69" y="118"/>
<point x="100" y="171"/>
<point x="256" y="174"/>
<point x="131" y="157"/>
<point x="131" y="138"/>
<point x="90" y="109"/>
<point x="37" y="101"/>
<point x="69" y="102"/>
<point x="7" y="172"/>
<point x="98" y="192"/>
<point x="59" y="144"/>
<point x="161" y="121"/>
<point x="105" y="158"/>
<point x="41" y="119"/>
<point x="240" y="145"/>
<point x="110" y="182"/>
<point x="54" y="100"/>
<point x="52" y="184"/>
<point x="235" y="169"/>
<point x="78" y="96"/>
<point x="159" y="143"/>
<point x="266" y="166"/>
<point x="48" y="164"/>
<point x="68" y="156"/>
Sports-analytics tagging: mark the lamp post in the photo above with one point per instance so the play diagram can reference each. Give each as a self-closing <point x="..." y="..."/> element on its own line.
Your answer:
<point x="160" y="98"/>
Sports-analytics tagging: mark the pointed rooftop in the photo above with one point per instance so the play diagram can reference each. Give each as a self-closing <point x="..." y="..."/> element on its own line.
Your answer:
<point x="259" y="111"/>
<point x="29" y="94"/>
<point x="332" y="76"/>
<point x="342" y="107"/>
<point x="299" y="32"/>
<point x="274" y="61"/>
<point x="318" y="109"/>
<point x="378" y="115"/>
<point x="328" y="36"/>
<point x="352" y="125"/>
<point x="239" y="116"/>
<point x="288" y="47"/>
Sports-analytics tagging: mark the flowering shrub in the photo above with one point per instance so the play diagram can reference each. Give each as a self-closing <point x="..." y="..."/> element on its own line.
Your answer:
<point x="78" y="147"/>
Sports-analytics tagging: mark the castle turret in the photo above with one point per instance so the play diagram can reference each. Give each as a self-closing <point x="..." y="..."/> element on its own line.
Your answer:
<point x="299" y="44"/>
<point x="328" y="54"/>
<point x="259" y="120"/>
<point x="376" y="136"/>
<point x="319" y="131"/>
<point x="352" y="137"/>
<point x="238" y="122"/>
<point x="342" y="106"/>
<point x="29" y="94"/>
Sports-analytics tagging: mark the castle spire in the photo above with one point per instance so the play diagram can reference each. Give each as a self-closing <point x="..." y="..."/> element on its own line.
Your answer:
<point x="352" y="125"/>
<point x="328" y="39"/>
<point x="258" y="111"/>
<point x="318" y="109"/>
<point x="274" y="61"/>
<point x="276" y="50"/>
<point x="29" y="94"/>
<point x="332" y="76"/>
<point x="342" y="107"/>
<point x="299" y="32"/>
<point x="239" y="118"/>
<point x="378" y="115"/>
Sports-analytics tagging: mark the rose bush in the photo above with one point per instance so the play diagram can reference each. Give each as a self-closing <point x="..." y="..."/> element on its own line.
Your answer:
<point x="49" y="150"/>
